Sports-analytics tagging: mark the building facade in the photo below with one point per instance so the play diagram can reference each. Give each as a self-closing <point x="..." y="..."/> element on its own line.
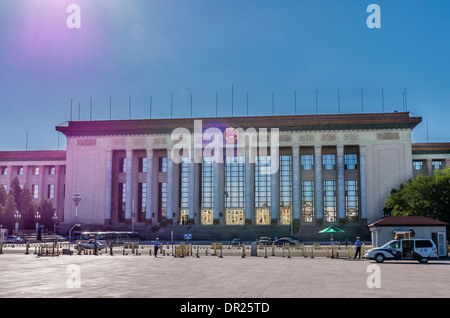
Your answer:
<point x="331" y="169"/>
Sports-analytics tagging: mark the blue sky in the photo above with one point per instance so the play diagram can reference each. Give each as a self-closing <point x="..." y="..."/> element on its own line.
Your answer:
<point x="164" y="48"/>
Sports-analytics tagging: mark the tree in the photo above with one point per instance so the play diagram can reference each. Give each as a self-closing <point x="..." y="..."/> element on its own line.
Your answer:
<point x="10" y="210"/>
<point x="423" y="195"/>
<point x="15" y="189"/>
<point x="46" y="209"/>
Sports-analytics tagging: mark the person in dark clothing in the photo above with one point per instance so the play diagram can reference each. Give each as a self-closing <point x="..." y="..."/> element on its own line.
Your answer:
<point x="358" y="245"/>
<point x="156" y="245"/>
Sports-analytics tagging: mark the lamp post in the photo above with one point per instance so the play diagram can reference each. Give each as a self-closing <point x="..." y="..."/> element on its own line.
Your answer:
<point x="76" y="199"/>
<point x="55" y="219"/>
<point x="37" y="216"/>
<point x="17" y="216"/>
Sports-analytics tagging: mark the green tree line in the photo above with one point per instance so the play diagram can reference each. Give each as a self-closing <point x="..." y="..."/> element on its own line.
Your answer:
<point x="422" y="195"/>
<point x="20" y="199"/>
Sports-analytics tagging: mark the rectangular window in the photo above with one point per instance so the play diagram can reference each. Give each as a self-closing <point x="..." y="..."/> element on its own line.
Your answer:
<point x="351" y="200"/>
<point x="123" y="165"/>
<point x="329" y="201"/>
<point x="4" y="171"/>
<point x="142" y="201"/>
<point x="307" y="162"/>
<point x="329" y="162"/>
<point x="285" y="189"/>
<point x="235" y="182"/>
<point x="20" y="171"/>
<point x="308" y="201"/>
<point x="35" y="191"/>
<point x="436" y="164"/>
<point x="36" y="171"/>
<point x="52" y="170"/>
<point x="351" y="161"/>
<point x="162" y="193"/>
<point x="262" y="182"/>
<point x="51" y="191"/>
<point x="143" y="164"/>
<point x="207" y="182"/>
<point x="417" y="165"/>
<point x="163" y="164"/>
<point x="184" y="190"/>
<point x="122" y="195"/>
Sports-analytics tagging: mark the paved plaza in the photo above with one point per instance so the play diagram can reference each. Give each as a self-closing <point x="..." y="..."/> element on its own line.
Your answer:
<point x="131" y="276"/>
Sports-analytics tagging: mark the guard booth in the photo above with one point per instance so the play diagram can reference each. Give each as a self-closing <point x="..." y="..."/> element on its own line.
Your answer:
<point x="410" y="227"/>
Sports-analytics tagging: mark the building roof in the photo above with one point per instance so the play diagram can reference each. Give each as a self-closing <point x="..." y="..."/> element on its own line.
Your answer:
<point x="408" y="220"/>
<point x="364" y="121"/>
<point x="431" y="148"/>
<point x="33" y="155"/>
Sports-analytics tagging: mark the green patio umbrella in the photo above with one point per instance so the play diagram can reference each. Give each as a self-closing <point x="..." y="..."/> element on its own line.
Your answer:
<point x="331" y="229"/>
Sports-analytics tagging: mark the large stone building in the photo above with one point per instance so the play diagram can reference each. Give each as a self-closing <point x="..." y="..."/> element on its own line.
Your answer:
<point x="332" y="169"/>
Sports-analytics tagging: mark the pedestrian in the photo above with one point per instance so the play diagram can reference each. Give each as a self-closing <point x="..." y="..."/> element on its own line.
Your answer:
<point x="156" y="245"/>
<point x="358" y="245"/>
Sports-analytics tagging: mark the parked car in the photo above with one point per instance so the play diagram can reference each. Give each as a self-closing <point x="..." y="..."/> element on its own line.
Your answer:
<point x="286" y="240"/>
<point x="14" y="239"/>
<point x="265" y="240"/>
<point x="236" y="241"/>
<point x="416" y="249"/>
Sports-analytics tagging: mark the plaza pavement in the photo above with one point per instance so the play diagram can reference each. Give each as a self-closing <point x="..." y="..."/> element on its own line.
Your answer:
<point x="146" y="276"/>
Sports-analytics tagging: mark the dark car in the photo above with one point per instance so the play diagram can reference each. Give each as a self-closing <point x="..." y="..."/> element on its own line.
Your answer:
<point x="236" y="241"/>
<point x="265" y="240"/>
<point x="286" y="240"/>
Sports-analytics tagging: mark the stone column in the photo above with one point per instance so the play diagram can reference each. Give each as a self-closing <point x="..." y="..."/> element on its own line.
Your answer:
<point x="296" y="197"/>
<point x="42" y="192"/>
<point x="318" y="191"/>
<point x="362" y="178"/>
<point x="58" y="198"/>
<point x="429" y="167"/>
<point x="170" y="185"/>
<point x="108" y="187"/>
<point x="218" y="188"/>
<point x="129" y="183"/>
<point x="340" y="182"/>
<point x="192" y="188"/>
<point x="149" y="181"/>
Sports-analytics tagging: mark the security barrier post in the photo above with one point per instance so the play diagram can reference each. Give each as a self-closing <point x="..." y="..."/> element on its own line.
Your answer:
<point x="243" y="250"/>
<point x="265" y="253"/>
<point x="312" y="251"/>
<point x="198" y="256"/>
<point x="1" y="248"/>
<point x="289" y="251"/>
<point x="283" y="251"/>
<point x="27" y="246"/>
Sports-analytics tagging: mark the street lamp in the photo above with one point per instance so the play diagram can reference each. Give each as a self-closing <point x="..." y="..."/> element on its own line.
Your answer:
<point x="76" y="199"/>
<point x="55" y="219"/>
<point x="37" y="216"/>
<point x="17" y="216"/>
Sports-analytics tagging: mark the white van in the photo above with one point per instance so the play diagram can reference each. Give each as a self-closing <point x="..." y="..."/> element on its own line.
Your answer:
<point x="418" y="249"/>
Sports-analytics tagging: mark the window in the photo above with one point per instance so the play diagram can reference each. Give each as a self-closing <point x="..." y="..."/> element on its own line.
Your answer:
<point x="262" y="190"/>
<point x="436" y="164"/>
<point x="20" y="171"/>
<point x="351" y="161"/>
<point x="4" y="171"/>
<point x="51" y="191"/>
<point x="184" y="190"/>
<point x="307" y="162"/>
<point x="52" y="170"/>
<point x="423" y="243"/>
<point x="143" y="164"/>
<point x="122" y="194"/>
<point x="329" y="201"/>
<point x="207" y="182"/>
<point x="235" y="182"/>
<point x="162" y="192"/>
<point x="417" y="165"/>
<point x="308" y="201"/>
<point x="122" y="164"/>
<point x="351" y="200"/>
<point x="285" y="189"/>
<point x="163" y="164"/>
<point x="329" y="162"/>
<point x="142" y="201"/>
<point x="35" y="191"/>
<point x="36" y="171"/>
